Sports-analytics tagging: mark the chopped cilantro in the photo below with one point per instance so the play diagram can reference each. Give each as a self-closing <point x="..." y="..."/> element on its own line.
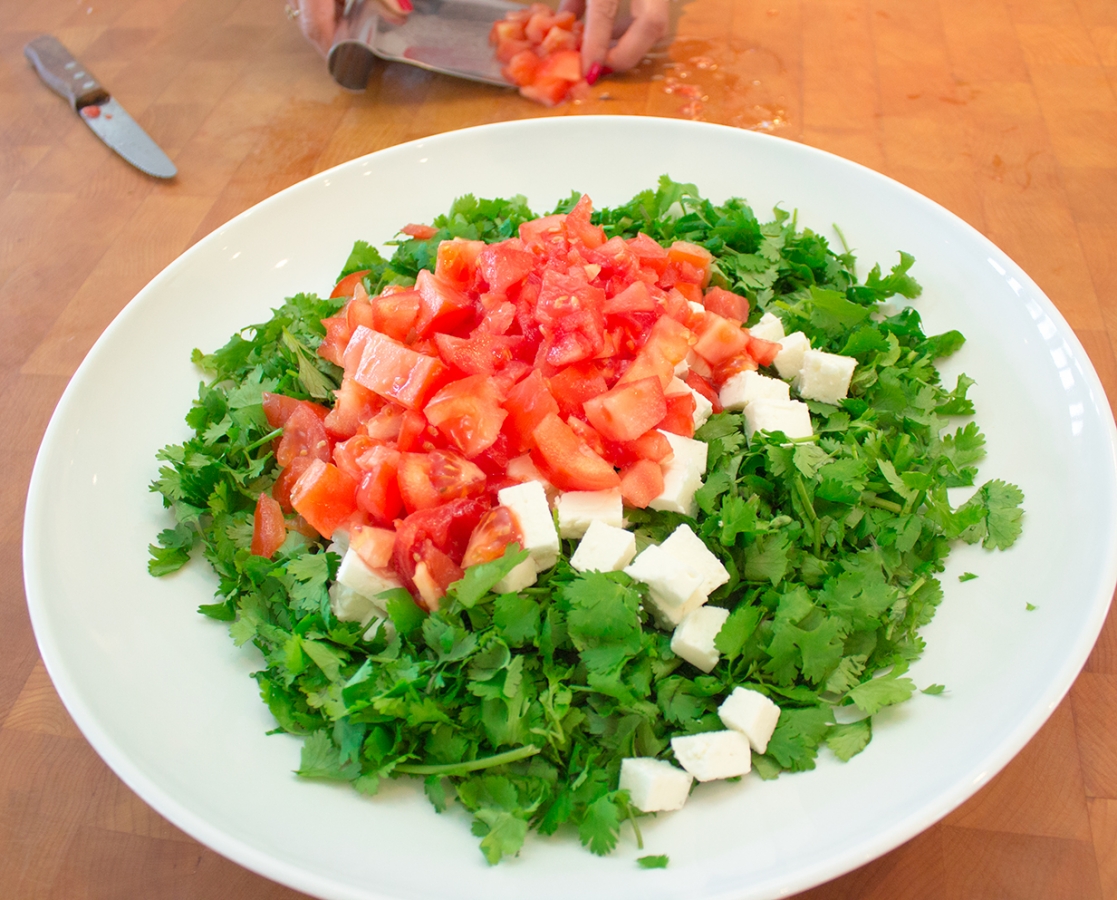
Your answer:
<point x="967" y="576"/>
<point x="652" y="862"/>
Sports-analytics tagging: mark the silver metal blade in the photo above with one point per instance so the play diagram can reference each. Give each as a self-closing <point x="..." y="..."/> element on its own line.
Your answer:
<point x="448" y="36"/>
<point x="119" y="130"/>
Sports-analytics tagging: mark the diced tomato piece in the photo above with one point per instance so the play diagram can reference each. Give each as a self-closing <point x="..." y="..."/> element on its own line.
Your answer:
<point x="338" y="332"/>
<point x="482" y="353"/>
<point x="579" y="227"/>
<point x="687" y="254"/>
<point x="651" y="445"/>
<point x="679" y="418"/>
<point x="278" y="408"/>
<point x="374" y="546"/>
<point x="419" y="232"/>
<point x="304" y="434"/>
<point x="566" y="65"/>
<point x="673" y="339"/>
<point x="558" y="39"/>
<point x="527" y="404"/>
<point x="496" y="530"/>
<point x="358" y="311"/>
<point x="544" y="231"/>
<point x="468" y="412"/>
<point x="395" y="313"/>
<point x="700" y="384"/>
<point x="378" y="493"/>
<point x="541" y="21"/>
<point x="348" y="284"/>
<point x="649" y="363"/>
<point x="506" y="30"/>
<point x="414" y="432"/>
<point x="649" y="252"/>
<point x="396" y="372"/>
<point x="521" y="62"/>
<point x="503" y="265"/>
<point x="354" y="404"/>
<point x="269" y="530"/>
<point x="545" y="90"/>
<point x="447" y="528"/>
<point x="676" y="307"/>
<point x="430" y="479"/>
<point x="719" y="339"/>
<point x="627" y="410"/>
<point x="588" y="434"/>
<point x="567" y="461"/>
<point x="641" y="483"/>
<point x="324" y="496"/>
<point x="726" y="303"/>
<point x="434" y="573"/>
<point x="634" y="298"/>
<point x="742" y="362"/>
<point x="442" y="305"/>
<point x="347" y="455"/>
<point x="574" y="385"/>
<point x="764" y="352"/>
<point x="692" y="292"/>
<point x="457" y="261"/>
<point x="281" y="490"/>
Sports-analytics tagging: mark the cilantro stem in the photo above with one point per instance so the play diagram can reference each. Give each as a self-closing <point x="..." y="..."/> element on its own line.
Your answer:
<point x="804" y="497"/>
<point x="271" y="435"/>
<point x="873" y="500"/>
<point x="472" y="765"/>
<point x="635" y="827"/>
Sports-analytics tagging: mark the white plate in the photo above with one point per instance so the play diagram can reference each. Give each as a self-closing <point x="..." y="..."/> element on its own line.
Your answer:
<point x="166" y="699"/>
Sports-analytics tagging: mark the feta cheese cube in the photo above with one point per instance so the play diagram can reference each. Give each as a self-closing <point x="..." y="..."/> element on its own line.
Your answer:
<point x="355" y="575"/>
<point x="349" y="606"/>
<point x="752" y="714"/>
<point x="682" y="475"/>
<point x="825" y="376"/>
<point x="673" y="585"/>
<point x="703" y="408"/>
<point x="577" y="509"/>
<point x="695" y="307"/>
<point x="789" y="360"/>
<point x="686" y="546"/>
<point x="744" y="387"/>
<point x="792" y="417"/>
<point x="681" y="369"/>
<point x="713" y="754"/>
<point x="522" y="575"/>
<point x="654" y="785"/>
<point x="769" y="328"/>
<point x="604" y="548"/>
<point x="693" y="639"/>
<point x="528" y="504"/>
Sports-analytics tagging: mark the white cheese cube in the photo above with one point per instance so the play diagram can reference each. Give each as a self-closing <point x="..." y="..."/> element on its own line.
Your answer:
<point x="825" y="376"/>
<point x="681" y="369"/>
<point x="357" y="576"/>
<point x="522" y="576"/>
<point x="528" y="504"/>
<point x="674" y="586"/>
<point x="693" y="639"/>
<point x="654" y="785"/>
<point x="713" y="754"/>
<point x="703" y="408"/>
<point x="577" y="509"/>
<point x="695" y="307"/>
<point x="687" y="547"/>
<point x="752" y="714"/>
<point x="604" y="548"/>
<point x="744" y="387"/>
<point x="789" y="360"/>
<point x="682" y="475"/>
<point x="349" y="606"/>
<point x="792" y="417"/>
<point x="769" y="328"/>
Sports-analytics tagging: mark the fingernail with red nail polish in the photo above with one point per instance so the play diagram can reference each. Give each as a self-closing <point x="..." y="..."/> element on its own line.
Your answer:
<point x="405" y="5"/>
<point x="596" y="70"/>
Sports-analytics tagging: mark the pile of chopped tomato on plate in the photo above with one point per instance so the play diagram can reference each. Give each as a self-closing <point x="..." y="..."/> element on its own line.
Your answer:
<point x="549" y="356"/>
<point x="539" y="50"/>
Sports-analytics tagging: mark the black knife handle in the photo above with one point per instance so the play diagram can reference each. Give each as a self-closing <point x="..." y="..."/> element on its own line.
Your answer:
<point x="64" y="74"/>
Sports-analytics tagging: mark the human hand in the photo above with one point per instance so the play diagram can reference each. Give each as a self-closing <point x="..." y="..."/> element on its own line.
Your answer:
<point x="318" y="19"/>
<point x="648" y="24"/>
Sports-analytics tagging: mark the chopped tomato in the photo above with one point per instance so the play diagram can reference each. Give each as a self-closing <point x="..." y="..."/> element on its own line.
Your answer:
<point x="456" y="262"/>
<point x="700" y="384"/>
<point x="396" y="372"/>
<point x="628" y="410"/>
<point x="528" y="403"/>
<point x="374" y="546"/>
<point x="719" y="339"/>
<point x="281" y="490"/>
<point x="496" y="530"/>
<point x="269" y="531"/>
<point x="679" y="418"/>
<point x="354" y="404"/>
<point x="567" y="461"/>
<point x="447" y="528"/>
<point x="348" y="284"/>
<point x="325" y="496"/>
<point x="641" y="483"/>
<point x="419" y="232"/>
<point x="304" y="434"/>
<point x="726" y="303"/>
<point x="764" y="352"/>
<point x="378" y="493"/>
<point x="427" y="480"/>
<point x="395" y="314"/>
<point x="468" y="412"/>
<point x="278" y="408"/>
<point x="442" y="305"/>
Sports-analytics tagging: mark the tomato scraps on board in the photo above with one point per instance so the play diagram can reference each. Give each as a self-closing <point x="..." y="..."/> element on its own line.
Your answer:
<point x="549" y="355"/>
<point x="540" y="52"/>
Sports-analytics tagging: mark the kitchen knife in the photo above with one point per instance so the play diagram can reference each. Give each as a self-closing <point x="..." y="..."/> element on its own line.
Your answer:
<point x="69" y="78"/>
<point x="447" y="36"/>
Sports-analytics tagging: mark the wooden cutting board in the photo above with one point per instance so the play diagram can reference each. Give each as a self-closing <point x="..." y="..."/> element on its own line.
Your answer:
<point x="1003" y="111"/>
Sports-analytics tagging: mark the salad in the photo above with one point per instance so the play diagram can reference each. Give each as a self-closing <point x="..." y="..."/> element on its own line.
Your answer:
<point x="529" y="511"/>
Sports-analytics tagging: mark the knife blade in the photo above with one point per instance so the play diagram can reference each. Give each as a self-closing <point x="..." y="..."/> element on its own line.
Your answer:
<point x="106" y="118"/>
<point x="447" y="36"/>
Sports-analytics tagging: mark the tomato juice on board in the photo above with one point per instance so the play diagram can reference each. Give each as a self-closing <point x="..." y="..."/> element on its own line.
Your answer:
<point x="553" y="353"/>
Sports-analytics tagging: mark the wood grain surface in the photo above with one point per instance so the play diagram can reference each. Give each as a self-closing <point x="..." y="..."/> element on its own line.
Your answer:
<point x="1003" y="111"/>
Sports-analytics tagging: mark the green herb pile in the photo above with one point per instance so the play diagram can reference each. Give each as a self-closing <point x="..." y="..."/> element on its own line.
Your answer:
<point x="522" y="706"/>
